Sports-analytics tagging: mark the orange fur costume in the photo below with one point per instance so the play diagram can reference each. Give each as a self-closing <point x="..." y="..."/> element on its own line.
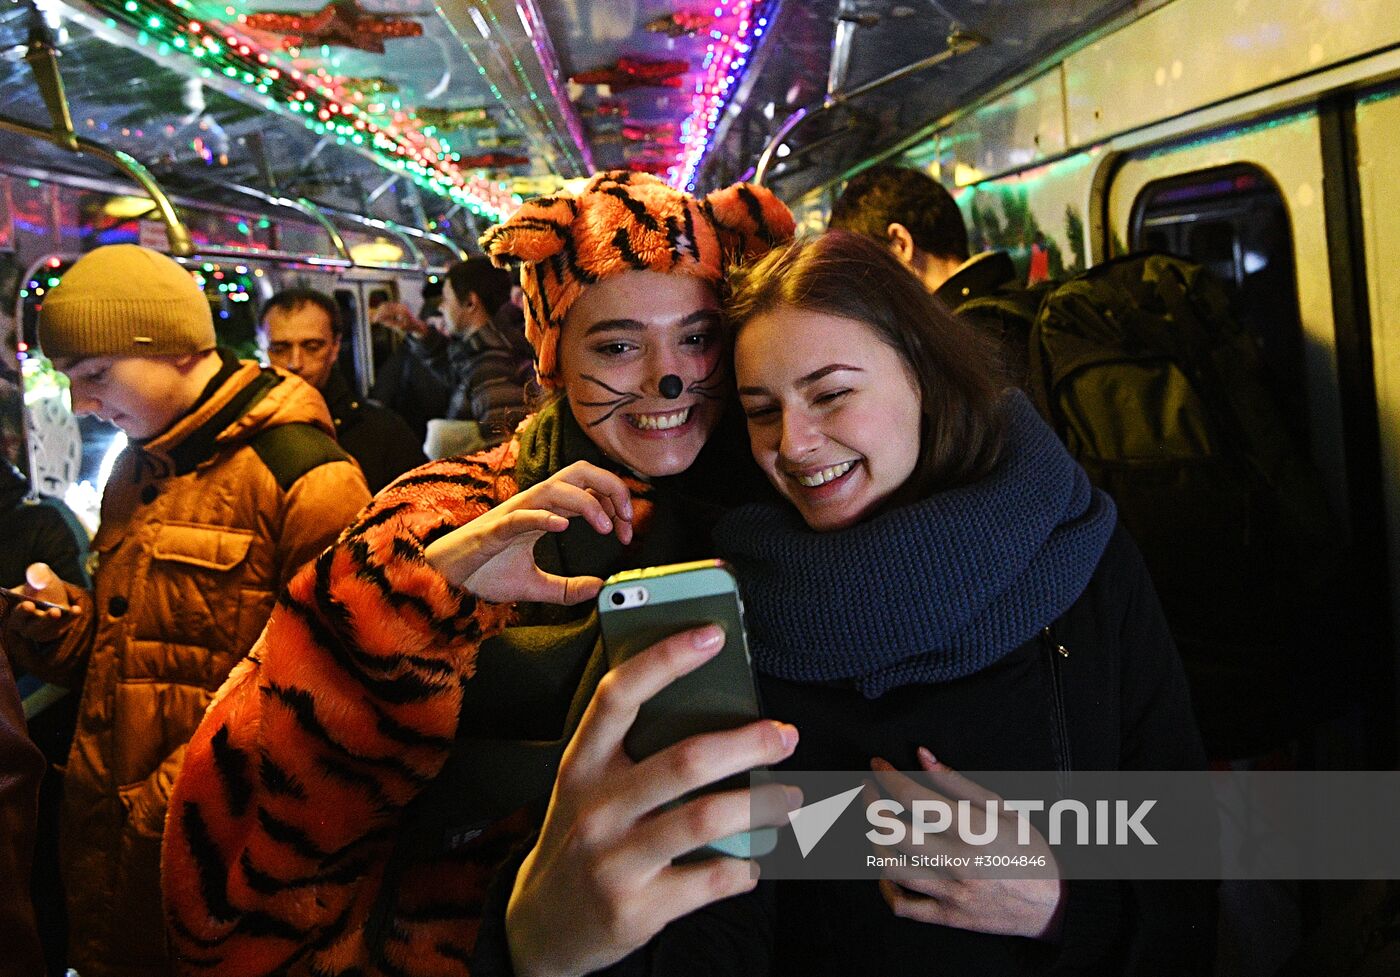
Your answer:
<point x="620" y="222"/>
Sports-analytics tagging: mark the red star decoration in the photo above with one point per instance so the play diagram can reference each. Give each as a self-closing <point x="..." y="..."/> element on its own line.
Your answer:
<point x="492" y="161"/>
<point x="635" y="73"/>
<point x="657" y="167"/>
<point x="681" y="24"/>
<point x="341" y="22"/>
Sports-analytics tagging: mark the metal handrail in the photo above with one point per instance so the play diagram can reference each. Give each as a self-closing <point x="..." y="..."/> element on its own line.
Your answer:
<point x="441" y="239"/>
<point x="377" y="224"/>
<point x="959" y="42"/>
<point x="43" y="62"/>
<point x="309" y="208"/>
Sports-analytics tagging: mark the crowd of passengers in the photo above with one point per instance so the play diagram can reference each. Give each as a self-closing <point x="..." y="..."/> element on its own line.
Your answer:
<point x="298" y="636"/>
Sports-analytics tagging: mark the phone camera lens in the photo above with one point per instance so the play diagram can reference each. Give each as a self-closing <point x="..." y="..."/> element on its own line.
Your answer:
<point x="619" y="598"/>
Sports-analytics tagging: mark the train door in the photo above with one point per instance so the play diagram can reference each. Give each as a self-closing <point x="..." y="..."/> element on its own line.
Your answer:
<point x="1249" y="204"/>
<point x="1376" y="117"/>
<point x="1265" y="206"/>
<point x="370" y="346"/>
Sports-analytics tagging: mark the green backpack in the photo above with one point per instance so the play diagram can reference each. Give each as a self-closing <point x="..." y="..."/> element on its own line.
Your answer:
<point x="1159" y="392"/>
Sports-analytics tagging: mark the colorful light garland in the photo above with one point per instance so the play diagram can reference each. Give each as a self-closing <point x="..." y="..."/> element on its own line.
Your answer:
<point x="726" y="56"/>
<point x="390" y="135"/>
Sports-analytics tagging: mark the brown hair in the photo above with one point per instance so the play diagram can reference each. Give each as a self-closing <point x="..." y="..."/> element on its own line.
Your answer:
<point x="961" y="429"/>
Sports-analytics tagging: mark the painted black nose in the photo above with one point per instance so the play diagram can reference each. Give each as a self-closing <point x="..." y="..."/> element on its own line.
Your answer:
<point x="670" y="386"/>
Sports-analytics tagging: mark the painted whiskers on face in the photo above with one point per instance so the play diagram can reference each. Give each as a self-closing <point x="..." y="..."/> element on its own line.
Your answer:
<point x="620" y="399"/>
<point x="628" y="336"/>
<point x="710" y="386"/>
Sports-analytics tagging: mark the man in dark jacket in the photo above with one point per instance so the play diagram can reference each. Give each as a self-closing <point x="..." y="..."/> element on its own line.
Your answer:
<point x="301" y="331"/>
<point x="912" y="214"/>
<point x="484" y="357"/>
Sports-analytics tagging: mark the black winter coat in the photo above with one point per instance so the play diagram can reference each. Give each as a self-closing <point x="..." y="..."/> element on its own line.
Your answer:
<point x="1126" y="707"/>
<point x="376" y="437"/>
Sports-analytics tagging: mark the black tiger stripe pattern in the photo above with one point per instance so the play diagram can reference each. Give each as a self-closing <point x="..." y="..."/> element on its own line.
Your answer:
<point x="296" y="782"/>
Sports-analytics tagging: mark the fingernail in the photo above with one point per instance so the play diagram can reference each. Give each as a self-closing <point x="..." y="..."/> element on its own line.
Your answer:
<point x="789" y="734"/>
<point x="707" y="637"/>
<point x="605" y="525"/>
<point x="927" y="757"/>
<point x="880" y="763"/>
<point x="794" y="797"/>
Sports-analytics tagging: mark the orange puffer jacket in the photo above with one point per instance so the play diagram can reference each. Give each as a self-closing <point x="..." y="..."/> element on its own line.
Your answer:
<point x="200" y="529"/>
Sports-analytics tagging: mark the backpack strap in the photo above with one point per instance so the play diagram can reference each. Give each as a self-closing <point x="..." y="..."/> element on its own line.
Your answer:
<point x="291" y="450"/>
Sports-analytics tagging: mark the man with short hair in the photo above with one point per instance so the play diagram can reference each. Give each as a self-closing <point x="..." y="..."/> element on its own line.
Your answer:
<point x="918" y="220"/>
<point x="483" y="357"/>
<point x="912" y="214"/>
<point x="301" y="331"/>
<point x="231" y="480"/>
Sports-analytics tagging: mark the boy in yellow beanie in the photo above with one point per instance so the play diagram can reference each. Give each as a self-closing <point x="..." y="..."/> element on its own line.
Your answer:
<point x="230" y="481"/>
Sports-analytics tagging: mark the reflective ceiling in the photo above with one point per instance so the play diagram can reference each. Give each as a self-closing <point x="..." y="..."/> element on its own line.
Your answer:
<point x="414" y="110"/>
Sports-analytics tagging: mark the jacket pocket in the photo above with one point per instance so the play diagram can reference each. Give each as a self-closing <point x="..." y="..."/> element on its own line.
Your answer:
<point x="192" y="587"/>
<point x="209" y="547"/>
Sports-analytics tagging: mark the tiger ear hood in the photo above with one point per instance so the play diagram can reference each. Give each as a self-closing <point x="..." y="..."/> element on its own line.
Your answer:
<point x="624" y="221"/>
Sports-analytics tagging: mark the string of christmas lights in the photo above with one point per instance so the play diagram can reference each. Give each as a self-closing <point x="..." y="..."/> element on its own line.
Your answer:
<point x="726" y="56"/>
<point x="390" y="136"/>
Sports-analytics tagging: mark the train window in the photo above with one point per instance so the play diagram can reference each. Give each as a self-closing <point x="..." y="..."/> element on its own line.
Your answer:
<point x="31" y="204"/>
<point x="1233" y="220"/>
<point x="350" y="317"/>
<point x="231" y="292"/>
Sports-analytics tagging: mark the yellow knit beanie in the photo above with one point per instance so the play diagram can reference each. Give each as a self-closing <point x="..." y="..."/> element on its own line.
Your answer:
<point x="125" y="300"/>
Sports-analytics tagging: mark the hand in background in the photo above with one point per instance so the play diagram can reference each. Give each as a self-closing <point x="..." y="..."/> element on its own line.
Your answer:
<point x="398" y="316"/>
<point x="600" y="882"/>
<point x="1013" y="907"/>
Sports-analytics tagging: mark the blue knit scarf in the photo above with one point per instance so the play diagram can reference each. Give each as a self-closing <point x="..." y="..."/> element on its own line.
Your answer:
<point x="926" y="592"/>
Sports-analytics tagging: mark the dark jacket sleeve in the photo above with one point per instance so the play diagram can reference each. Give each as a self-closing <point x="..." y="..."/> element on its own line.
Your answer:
<point x="21" y="766"/>
<point x="60" y="541"/>
<point x="434" y="352"/>
<point x="1171" y="925"/>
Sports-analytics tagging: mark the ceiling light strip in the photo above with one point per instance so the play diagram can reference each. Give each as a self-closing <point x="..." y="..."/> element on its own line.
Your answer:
<point x="320" y="101"/>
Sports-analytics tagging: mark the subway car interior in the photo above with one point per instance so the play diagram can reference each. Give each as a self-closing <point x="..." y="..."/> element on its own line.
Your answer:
<point x="362" y="147"/>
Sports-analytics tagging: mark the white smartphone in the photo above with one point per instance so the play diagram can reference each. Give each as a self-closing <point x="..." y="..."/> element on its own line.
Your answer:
<point x="638" y="608"/>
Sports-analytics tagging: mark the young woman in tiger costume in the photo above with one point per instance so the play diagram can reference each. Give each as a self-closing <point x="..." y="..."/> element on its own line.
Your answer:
<point x="313" y="828"/>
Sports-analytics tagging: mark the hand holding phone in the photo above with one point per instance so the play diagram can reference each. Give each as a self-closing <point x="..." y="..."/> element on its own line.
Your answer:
<point x="638" y="608"/>
<point x="13" y="599"/>
<point x="23" y="609"/>
<point x="602" y="879"/>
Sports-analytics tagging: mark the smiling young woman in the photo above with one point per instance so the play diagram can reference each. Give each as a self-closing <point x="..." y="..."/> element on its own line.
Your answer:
<point x="626" y="335"/>
<point x="944" y="577"/>
<point x="340" y="731"/>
